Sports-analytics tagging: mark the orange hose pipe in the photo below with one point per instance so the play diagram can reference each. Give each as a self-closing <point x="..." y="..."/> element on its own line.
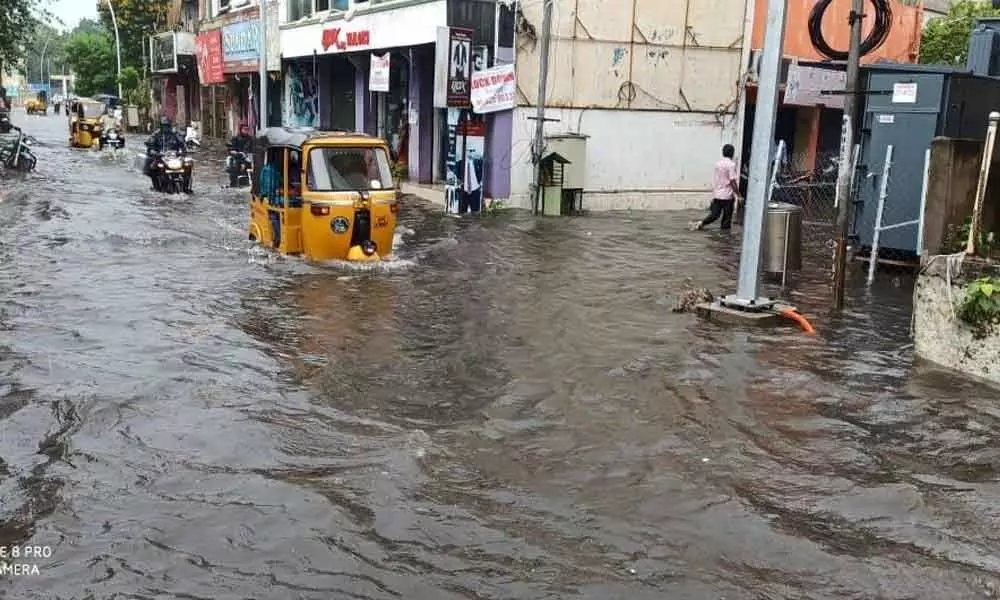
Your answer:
<point x="798" y="318"/>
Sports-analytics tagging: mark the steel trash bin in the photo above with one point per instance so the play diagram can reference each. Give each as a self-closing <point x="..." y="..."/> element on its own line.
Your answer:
<point x="782" y="238"/>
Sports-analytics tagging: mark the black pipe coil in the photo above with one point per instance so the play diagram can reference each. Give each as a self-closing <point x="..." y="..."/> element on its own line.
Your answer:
<point x="879" y="33"/>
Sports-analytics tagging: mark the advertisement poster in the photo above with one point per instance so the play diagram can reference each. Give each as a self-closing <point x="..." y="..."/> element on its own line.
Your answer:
<point x="378" y="75"/>
<point x="494" y="89"/>
<point x="209" y="49"/>
<point x="474" y="151"/>
<point x="451" y="188"/>
<point x="459" y="66"/>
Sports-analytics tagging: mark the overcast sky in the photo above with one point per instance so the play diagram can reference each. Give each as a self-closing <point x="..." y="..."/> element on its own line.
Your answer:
<point x="71" y="11"/>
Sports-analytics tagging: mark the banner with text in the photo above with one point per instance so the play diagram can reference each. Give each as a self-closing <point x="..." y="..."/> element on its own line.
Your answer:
<point x="378" y="75"/>
<point x="208" y="47"/>
<point x="494" y="89"/>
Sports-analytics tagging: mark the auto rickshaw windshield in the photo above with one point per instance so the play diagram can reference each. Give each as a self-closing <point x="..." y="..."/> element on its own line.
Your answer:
<point x="347" y="169"/>
<point x="92" y="110"/>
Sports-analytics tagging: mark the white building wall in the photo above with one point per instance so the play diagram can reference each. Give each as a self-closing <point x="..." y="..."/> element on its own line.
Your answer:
<point x="656" y="85"/>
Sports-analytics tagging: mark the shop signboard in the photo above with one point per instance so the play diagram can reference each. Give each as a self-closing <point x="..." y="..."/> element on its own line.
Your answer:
<point x="459" y="66"/>
<point x="241" y="42"/>
<point x="494" y="89"/>
<point x="451" y="185"/>
<point x="209" y="47"/>
<point x="162" y="58"/>
<point x="378" y="74"/>
<point x="338" y="39"/>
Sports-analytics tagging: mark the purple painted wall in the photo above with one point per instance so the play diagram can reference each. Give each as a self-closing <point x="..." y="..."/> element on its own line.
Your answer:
<point x="499" y="135"/>
<point x="421" y="99"/>
<point x="360" y="96"/>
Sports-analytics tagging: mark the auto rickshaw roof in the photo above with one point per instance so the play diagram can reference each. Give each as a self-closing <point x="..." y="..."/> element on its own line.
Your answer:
<point x="297" y="137"/>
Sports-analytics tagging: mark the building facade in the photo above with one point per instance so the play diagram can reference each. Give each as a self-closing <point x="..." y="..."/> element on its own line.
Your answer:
<point x="809" y="121"/>
<point x="654" y="86"/>
<point x="172" y="66"/>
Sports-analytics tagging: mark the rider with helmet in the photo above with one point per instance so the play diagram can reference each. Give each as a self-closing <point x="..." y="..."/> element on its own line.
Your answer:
<point x="243" y="142"/>
<point x="165" y="140"/>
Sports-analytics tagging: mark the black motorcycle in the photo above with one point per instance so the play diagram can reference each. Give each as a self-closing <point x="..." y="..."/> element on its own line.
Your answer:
<point x="112" y="138"/>
<point x="171" y="171"/>
<point x="14" y="151"/>
<point x="239" y="166"/>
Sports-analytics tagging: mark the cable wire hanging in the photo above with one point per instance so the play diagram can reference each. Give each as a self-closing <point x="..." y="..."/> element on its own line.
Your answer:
<point x="879" y="33"/>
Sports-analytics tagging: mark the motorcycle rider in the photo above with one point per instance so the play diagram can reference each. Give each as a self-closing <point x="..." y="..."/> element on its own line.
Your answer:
<point x="165" y="140"/>
<point x="243" y="142"/>
<point x="108" y="122"/>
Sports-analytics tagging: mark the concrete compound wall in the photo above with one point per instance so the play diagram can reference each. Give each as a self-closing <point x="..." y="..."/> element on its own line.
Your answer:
<point x="939" y="335"/>
<point x="952" y="178"/>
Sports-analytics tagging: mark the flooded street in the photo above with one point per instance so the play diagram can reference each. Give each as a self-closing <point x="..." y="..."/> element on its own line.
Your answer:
<point x="510" y="411"/>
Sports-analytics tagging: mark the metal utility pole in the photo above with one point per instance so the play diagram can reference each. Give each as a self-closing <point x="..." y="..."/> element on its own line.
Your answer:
<point x="543" y="76"/>
<point x="845" y="181"/>
<point x="765" y="115"/>
<point x="118" y="44"/>
<point x="262" y="62"/>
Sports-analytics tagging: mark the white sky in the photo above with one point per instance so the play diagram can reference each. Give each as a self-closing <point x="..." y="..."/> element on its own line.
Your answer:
<point x="71" y="11"/>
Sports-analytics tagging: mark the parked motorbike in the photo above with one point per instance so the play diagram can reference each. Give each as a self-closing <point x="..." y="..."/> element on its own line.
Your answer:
<point x="5" y="124"/>
<point x="15" y="153"/>
<point x="171" y="172"/>
<point x="239" y="165"/>
<point x="192" y="138"/>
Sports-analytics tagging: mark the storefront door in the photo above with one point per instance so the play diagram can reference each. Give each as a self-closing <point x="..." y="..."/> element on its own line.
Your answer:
<point x="342" y="95"/>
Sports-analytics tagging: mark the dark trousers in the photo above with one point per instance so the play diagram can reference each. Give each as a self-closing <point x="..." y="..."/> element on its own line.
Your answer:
<point x="720" y="208"/>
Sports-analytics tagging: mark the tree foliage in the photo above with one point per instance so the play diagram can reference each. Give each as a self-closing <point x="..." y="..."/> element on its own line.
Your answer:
<point x="137" y="20"/>
<point x="91" y="56"/>
<point x="945" y="40"/>
<point x="17" y="20"/>
<point x="46" y="45"/>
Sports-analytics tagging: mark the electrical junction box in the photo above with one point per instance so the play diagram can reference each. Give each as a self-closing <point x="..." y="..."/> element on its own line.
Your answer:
<point x="573" y="147"/>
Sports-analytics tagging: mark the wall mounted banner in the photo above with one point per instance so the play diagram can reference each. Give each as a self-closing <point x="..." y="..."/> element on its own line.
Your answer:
<point x="494" y="89"/>
<point x="459" y="67"/>
<point x="209" y="51"/>
<point x="378" y="75"/>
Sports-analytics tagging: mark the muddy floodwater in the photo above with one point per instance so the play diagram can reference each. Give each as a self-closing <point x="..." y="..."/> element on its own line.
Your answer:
<point x="508" y="411"/>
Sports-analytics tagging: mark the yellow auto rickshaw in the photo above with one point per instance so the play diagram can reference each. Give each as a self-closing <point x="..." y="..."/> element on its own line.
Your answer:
<point x="85" y="123"/>
<point x="323" y="195"/>
<point x="37" y="105"/>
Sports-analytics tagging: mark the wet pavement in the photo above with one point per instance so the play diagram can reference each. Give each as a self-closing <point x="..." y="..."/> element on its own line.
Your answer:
<point x="510" y="411"/>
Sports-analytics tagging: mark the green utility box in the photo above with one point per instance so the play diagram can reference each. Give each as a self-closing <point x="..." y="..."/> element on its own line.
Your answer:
<point x="552" y="178"/>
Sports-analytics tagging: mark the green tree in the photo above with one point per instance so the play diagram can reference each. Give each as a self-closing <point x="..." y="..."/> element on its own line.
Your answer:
<point x="945" y="40"/>
<point x="45" y="46"/>
<point x="137" y="20"/>
<point x="17" y="23"/>
<point x="91" y="56"/>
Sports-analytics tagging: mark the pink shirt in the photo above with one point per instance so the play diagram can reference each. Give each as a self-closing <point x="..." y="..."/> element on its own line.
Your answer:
<point x="725" y="172"/>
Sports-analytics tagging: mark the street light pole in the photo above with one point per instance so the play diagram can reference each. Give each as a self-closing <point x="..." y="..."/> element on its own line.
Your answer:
<point x="41" y="61"/>
<point x="765" y="115"/>
<point x="118" y="44"/>
<point x="262" y="63"/>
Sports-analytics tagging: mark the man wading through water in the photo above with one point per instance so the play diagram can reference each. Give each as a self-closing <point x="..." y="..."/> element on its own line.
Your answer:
<point x="725" y="190"/>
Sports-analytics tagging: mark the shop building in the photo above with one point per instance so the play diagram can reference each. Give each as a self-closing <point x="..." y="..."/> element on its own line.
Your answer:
<point x="228" y="48"/>
<point x="328" y="52"/>
<point x="375" y="66"/>
<point x="172" y="65"/>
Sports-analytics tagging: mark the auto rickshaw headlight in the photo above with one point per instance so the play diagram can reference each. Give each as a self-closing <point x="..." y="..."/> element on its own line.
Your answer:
<point x="368" y="247"/>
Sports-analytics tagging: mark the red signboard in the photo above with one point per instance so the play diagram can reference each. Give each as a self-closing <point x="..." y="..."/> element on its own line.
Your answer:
<point x="338" y="39"/>
<point x="209" y="48"/>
